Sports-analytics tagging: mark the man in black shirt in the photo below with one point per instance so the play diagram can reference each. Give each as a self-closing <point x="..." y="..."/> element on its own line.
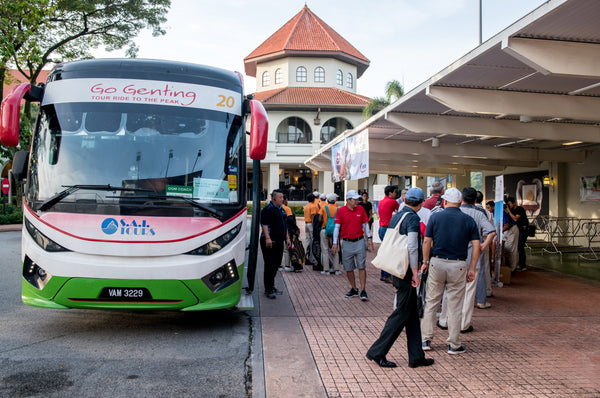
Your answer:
<point x="518" y="214"/>
<point x="368" y="206"/>
<point x="273" y="221"/>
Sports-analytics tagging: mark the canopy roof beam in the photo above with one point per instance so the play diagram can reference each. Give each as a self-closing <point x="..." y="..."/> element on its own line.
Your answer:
<point x="477" y="126"/>
<point x="476" y="151"/>
<point x="516" y="103"/>
<point x="576" y="59"/>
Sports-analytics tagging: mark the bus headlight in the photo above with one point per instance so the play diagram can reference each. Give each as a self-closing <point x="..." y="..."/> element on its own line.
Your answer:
<point x="42" y="240"/>
<point x="34" y="274"/>
<point x="217" y="244"/>
<point x="222" y="277"/>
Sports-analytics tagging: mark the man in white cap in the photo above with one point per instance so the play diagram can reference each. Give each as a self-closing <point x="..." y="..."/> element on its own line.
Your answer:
<point x="323" y="201"/>
<point x="354" y="224"/>
<point x="446" y="244"/>
<point x="328" y="212"/>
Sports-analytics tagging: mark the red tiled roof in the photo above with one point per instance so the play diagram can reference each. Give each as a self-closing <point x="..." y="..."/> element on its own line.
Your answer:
<point x="306" y="34"/>
<point x="15" y="78"/>
<point x="311" y="96"/>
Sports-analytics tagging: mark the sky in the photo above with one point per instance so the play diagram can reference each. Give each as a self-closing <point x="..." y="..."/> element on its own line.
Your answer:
<point x="405" y="40"/>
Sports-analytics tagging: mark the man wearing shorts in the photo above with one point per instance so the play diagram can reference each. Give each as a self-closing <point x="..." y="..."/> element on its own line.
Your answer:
<point x="351" y="225"/>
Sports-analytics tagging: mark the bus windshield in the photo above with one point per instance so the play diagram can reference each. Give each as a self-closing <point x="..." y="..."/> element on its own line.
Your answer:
<point x="165" y="155"/>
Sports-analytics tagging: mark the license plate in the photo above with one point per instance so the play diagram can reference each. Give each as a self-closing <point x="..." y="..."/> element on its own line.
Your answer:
<point x="125" y="293"/>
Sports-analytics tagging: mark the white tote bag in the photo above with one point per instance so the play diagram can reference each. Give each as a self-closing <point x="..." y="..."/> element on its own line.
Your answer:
<point x="392" y="256"/>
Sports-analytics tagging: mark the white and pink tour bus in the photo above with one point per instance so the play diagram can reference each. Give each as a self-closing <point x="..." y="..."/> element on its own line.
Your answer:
<point x="134" y="190"/>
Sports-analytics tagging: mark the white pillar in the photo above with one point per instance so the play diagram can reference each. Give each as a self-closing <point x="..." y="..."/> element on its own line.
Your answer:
<point x="325" y="183"/>
<point x="273" y="177"/>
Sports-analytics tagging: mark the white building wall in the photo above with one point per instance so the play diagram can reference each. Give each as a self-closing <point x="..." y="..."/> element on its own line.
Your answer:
<point x="289" y="66"/>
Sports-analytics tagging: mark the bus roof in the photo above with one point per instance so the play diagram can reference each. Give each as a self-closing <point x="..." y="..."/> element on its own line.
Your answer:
<point x="147" y="69"/>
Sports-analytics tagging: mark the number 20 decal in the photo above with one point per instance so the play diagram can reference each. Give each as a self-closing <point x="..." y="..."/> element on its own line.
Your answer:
<point x="229" y="102"/>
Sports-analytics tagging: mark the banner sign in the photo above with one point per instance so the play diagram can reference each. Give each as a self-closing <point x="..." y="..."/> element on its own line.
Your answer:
<point x="350" y="158"/>
<point x="590" y="189"/>
<point x="147" y="92"/>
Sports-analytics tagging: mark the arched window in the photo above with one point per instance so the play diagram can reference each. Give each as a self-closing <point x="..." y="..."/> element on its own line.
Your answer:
<point x="266" y="79"/>
<point x="333" y="127"/>
<point x="293" y="130"/>
<point x="349" y="80"/>
<point x="339" y="78"/>
<point x="301" y="74"/>
<point x="278" y="76"/>
<point x="319" y="75"/>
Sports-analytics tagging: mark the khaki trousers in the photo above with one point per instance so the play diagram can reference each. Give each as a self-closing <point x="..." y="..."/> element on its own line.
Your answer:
<point x="452" y="276"/>
<point x="467" y="307"/>
<point x="326" y="256"/>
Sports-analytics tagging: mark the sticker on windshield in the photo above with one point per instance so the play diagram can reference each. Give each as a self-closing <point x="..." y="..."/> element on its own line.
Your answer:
<point x="143" y="92"/>
<point x="180" y="190"/>
<point x="210" y="190"/>
<point x="232" y="180"/>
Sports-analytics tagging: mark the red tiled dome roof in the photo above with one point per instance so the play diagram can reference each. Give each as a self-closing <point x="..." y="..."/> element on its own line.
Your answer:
<point x="311" y="96"/>
<point x="305" y="34"/>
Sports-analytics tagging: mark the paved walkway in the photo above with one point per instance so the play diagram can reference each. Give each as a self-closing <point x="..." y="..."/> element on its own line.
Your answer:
<point x="539" y="339"/>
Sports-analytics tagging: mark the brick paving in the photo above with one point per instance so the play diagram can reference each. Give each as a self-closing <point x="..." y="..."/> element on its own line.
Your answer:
<point x="539" y="339"/>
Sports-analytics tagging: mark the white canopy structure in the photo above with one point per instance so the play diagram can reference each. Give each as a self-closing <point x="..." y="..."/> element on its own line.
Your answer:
<point x="528" y="95"/>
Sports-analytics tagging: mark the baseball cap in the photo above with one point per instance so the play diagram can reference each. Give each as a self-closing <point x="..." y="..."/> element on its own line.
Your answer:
<point x="331" y="197"/>
<point x="415" y="194"/>
<point x="323" y="196"/>
<point x="317" y="194"/>
<point x="452" y="195"/>
<point x="352" y="194"/>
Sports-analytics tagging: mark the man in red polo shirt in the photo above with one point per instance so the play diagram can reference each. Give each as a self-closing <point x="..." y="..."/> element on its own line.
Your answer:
<point x="351" y="224"/>
<point x="386" y="209"/>
<point x="436" y="190"/>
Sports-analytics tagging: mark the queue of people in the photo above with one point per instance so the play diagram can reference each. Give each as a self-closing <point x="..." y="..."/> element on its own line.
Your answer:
<point x="451" y="241"/>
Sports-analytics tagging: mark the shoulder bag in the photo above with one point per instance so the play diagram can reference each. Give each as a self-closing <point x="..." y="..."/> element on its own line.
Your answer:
<point x="392" y="255"/>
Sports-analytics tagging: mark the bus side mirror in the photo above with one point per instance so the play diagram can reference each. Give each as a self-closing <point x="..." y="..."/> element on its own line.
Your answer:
<point x="10" y="115"/>
<point x="19" y="165"/>
<point x="259" y="131"/>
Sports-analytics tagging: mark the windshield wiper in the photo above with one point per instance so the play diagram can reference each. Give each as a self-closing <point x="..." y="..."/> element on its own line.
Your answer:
<point x="211" y="210"/>
<point x="48" y="203"/>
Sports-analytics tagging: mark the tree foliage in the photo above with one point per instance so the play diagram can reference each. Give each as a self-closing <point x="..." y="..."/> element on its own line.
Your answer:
<point x="19" y="21"/>
<point x="35" y="33"/>
<point x="77" y="26"/>
<point x="393" y="91"/>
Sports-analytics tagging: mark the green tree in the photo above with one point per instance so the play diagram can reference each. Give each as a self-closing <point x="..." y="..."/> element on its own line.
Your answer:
<point x="35" y="33"/>
<point x="19" y="21"/>
<point x="393" y="91"/>
<point x="77" y="26"/>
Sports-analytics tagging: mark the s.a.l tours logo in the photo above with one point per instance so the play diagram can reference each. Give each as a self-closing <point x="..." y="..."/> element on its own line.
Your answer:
<point x="111" y="226"/>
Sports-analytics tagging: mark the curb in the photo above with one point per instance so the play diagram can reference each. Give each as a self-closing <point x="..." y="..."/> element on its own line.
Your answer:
<point x="11" y="227"/>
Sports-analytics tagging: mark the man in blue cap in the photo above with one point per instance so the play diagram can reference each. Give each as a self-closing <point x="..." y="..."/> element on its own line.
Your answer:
<point x="405" y="314"/>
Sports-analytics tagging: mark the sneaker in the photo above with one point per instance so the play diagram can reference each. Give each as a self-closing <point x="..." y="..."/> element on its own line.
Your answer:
<point x="324" y="272"/>
<point x="439" y="325"/>
<point x="277" y="292"/>
<point x="468" y="330"/>
<point x="289" y="269"/>
<point x="483" y="306"/>
<point x="454" y="351"/>
<point x="363" y="296"/>
<point x="352" y="293"/>
<point x="426" y="345"/>
<point x="270" y="295"/>
<point x="338" y="272"/>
